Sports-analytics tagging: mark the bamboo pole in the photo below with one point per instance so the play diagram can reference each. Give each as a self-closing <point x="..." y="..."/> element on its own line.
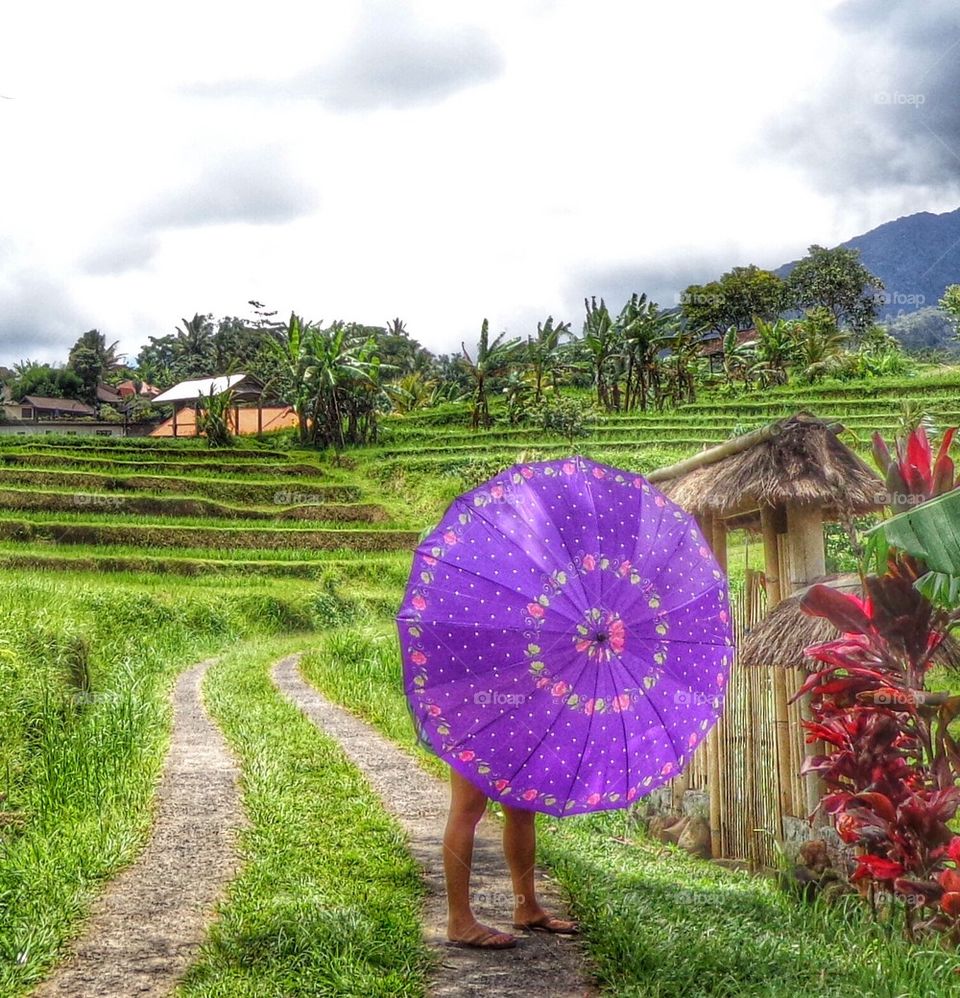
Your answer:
<point x="718" y="453"/>
<point x="807" y="561"/>
<point x="718" y="536"/>
<point x="713" y="784"/>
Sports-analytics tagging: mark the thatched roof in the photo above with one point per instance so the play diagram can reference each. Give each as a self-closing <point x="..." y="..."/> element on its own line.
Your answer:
<point x="778" y="641"/>
<point x="801" y="461"/>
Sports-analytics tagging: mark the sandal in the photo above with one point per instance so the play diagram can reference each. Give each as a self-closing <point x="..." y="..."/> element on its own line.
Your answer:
<point x="486" y="941"/>
<point x="552" y="924"/>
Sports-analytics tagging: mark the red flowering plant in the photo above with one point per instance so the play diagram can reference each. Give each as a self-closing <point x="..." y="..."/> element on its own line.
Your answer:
<point x="892" y="767"/>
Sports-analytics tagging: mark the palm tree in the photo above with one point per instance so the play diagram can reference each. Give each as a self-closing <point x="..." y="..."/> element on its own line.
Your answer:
<point x="820" y="344"/>
<point x="293" y="364"/>
<point x="739" y="357"/>
<point x="543" y="354"/>
<point x="602" y="341"/>
<point x="643" y="330"/>
<point x="776" y="349"/>
<point x="194" y="346"/>
<point x="492" y="361"/>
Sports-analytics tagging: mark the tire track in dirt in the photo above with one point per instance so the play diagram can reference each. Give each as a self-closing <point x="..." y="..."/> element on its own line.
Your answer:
<point x="145" y="929"/>
<point x="540" y="964"/>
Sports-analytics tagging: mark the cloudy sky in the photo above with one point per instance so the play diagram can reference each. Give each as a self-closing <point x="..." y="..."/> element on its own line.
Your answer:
<point x="443" y="161"/>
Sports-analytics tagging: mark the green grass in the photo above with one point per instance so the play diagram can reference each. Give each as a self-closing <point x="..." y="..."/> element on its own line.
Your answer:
<point x="85" y="672"/>
<point x="328" y="900"/>
<point x="659" y="923"/>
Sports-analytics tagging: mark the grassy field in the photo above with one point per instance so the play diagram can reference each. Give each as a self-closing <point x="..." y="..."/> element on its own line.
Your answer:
<point x="122" y="561"/>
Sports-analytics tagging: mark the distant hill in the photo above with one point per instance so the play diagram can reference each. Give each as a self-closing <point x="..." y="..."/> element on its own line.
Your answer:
<point x="916" y="257"/>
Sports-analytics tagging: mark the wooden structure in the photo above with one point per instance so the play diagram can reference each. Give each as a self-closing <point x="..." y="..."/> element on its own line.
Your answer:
<point x="243" y="388"/>
<point x="782" y="481"/>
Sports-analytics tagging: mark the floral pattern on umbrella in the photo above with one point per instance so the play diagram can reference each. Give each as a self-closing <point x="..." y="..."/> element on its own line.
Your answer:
<point x="566" y="637"/>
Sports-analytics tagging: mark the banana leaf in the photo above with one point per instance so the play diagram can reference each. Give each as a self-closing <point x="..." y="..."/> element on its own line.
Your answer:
<point x="931" y="532"/>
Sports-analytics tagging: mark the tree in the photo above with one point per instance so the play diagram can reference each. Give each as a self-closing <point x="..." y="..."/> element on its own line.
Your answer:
<point x="492" y="361"/>
<point x="213" y="412"/>
<point x="33" y="378"/>
<point x="950" y="303"/>
<point x="819" y="343"/>
<point x="543" y="353"/>
<point x="642" y="331"/>
<point x="739" y="296"/>
<point x="775" y="350"/>
<point x="835" y="279"/>
<point x="194" y="353"/>
<point x="602" y="341"/>
<point x="293" y="369"/>
<point x="91" y="358"/>
<point x="739" y="357"/>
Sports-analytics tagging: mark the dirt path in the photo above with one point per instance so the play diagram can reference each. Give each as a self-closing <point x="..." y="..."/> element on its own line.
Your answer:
<point x="541" y="964"/>
<point x="145" y="929"/>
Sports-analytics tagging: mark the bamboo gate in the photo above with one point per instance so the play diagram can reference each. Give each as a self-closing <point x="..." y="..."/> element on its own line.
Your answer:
<point x="753" y="793"/>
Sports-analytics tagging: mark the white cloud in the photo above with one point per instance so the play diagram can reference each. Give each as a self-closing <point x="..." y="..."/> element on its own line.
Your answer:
<point x="501" y="160"/>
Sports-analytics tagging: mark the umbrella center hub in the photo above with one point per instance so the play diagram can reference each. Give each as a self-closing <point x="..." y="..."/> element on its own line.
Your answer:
<point x="601" y="635"/>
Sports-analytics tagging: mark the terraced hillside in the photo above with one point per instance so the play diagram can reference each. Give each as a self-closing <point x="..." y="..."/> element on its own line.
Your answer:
<point x="179" y="507"/>
<point x="422" y="451"/>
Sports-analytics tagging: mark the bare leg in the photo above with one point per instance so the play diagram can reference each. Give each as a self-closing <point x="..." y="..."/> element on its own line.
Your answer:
<point x="520" y="850"/>
<point x="467" y="805"/>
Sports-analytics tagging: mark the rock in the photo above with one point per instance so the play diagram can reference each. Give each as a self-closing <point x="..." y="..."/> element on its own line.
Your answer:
<point x="667" y="828"/>
<point x="695" y="838"/>
<point x="696" y="804"/>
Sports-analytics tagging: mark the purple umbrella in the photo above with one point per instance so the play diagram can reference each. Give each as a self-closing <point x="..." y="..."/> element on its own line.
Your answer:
<point x="566" y="637"/>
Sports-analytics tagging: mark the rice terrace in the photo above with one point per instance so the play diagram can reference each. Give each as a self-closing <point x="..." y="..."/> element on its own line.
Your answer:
<point x="209" y="779"/>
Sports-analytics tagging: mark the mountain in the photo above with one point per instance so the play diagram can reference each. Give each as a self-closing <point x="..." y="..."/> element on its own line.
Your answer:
<point x="916" y="257"/>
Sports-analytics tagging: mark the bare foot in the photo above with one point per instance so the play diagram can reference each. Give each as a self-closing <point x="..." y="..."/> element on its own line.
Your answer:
<point x="480" y="936"/>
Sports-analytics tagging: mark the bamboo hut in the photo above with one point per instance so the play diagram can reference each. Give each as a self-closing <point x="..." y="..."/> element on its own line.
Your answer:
<point x="785" y="481"/>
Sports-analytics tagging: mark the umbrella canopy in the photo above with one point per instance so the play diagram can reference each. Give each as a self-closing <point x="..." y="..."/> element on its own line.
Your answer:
<point x="566" y="637"/>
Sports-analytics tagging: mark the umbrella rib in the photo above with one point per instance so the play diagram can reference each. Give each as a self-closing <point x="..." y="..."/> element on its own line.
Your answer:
<point x="564" y="566"/>
<point x="653" y="707"/>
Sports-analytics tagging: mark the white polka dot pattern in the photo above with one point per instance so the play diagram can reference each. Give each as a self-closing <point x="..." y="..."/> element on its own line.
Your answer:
<point x="566" y="637"/>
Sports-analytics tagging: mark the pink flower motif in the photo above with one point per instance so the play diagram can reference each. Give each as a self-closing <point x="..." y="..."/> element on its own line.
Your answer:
<point x="724" y="616"/>
<point x="501" y="784"/>
<point x="535" y="610"/>
<point x="527" y="472"/>
<point x="529" y="795"/>
<point x="721" y="679"/>
<point x="660" y="501"/>
<point x="638" y="483"/>
<point x="599" y="473"/>
<point x="631" y="793"/>
<point x="543" y="681"/>
<point x="589" y="563"/>
<point x="429" y="559"/>
<point x="621" y="702"/>
<point x="450" y="538"/>
<point x="583" y="644"/>
<point x="418" y="658"/>
<point x="704" y="551"/>
<point x="569" y="468"/>
<point x="666" y="768"/>
<point x="593" y="800"/>
<point x="433" y="710"/>
<point x="558" y="689"/>
<point x="496" y="492"/>
<point x="692" y="740"/>
<point x="588" y="708"/>
<point x="624" y="568"/>
<point x="467" y="756"/>
<point x="419" y="603"/>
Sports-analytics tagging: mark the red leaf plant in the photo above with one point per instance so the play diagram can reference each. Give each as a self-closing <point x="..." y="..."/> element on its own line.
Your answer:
<point x="892" y="768"/>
